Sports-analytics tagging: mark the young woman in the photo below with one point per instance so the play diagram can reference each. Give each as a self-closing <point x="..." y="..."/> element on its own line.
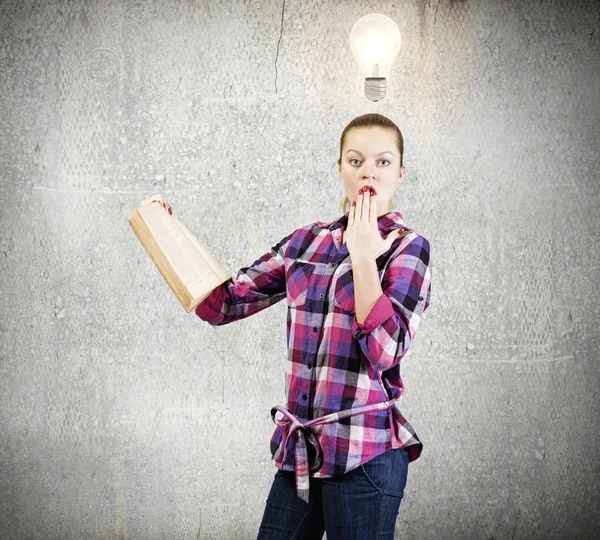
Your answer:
<point x="356" y="289"/>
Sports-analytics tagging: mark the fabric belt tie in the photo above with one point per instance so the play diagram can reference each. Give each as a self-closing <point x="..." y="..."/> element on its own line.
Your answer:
<point x="292" y="427"/>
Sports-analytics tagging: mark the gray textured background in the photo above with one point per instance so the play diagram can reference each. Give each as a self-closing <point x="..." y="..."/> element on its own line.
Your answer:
<point x="121" y="416"/>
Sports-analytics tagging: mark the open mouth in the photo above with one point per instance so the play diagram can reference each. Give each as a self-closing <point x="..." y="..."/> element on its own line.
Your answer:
<point x="372" y="189"/>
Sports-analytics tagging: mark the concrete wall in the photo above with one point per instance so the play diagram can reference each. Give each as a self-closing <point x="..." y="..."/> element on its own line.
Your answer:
<point x="121" y="416"/>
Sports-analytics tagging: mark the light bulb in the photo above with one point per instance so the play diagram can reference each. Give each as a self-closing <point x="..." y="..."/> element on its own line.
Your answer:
<point x="375" y="41"/>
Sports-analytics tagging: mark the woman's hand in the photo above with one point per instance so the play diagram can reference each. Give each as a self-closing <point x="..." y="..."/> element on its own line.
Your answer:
<point x="362" y="235"/>
<point x="158" y="198"/>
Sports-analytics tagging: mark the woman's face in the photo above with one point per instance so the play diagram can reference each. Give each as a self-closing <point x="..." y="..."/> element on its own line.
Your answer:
<point x="370" y="157"/>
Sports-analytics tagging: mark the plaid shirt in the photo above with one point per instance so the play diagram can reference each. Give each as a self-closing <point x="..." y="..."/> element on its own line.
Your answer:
<point x="343" y="377"/>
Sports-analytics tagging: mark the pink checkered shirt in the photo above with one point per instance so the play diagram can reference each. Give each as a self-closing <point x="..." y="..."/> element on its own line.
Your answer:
<point x="342" y="377"/>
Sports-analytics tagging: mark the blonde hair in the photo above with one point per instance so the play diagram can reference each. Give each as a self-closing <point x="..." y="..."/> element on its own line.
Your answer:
<point x="369" y="120"/>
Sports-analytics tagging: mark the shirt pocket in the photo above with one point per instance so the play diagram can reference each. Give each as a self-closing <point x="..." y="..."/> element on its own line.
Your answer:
<point x="297" y="282"/>
<point x="343" y="294"/>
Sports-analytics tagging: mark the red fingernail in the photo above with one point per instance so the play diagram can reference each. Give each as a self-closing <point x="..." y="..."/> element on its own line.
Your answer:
<point x="353" y="203"/>
<point x="170" y="212"/>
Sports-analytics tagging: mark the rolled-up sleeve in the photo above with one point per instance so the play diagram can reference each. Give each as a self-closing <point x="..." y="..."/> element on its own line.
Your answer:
<point x="390" y="327"/>
<point x="256" y="287"/>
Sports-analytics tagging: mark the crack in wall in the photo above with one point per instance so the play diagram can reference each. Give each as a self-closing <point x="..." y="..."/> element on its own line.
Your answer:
<point x="280" y="34"/>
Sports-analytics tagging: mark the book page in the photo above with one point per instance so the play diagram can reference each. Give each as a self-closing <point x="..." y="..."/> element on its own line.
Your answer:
<point x="209" y="259"/>
<point x="185" y="258"/>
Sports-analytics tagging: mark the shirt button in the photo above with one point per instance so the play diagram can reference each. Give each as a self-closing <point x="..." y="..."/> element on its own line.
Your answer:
<point x="332" y="265"/>
<point x="314" y="328"/>
<point x="304" y="397"/>
<point x="420" y="298"/>
<point x="322" y="295"/>
<point x="309" y="366"/>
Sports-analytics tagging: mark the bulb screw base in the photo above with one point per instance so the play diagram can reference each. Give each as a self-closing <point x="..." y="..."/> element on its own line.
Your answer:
<point x="375" y="88"/>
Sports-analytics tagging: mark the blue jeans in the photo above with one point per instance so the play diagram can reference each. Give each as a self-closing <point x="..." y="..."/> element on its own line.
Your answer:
<point x="361" y="504"/>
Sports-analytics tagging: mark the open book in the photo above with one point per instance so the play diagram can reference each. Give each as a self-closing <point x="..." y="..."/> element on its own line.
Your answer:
<point x="188" y="268"/>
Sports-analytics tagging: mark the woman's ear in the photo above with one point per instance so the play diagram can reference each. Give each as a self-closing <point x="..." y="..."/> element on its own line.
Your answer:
<point x="402" y="171"/>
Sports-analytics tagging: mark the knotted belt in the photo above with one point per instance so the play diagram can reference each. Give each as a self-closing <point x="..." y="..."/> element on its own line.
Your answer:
<point x="292" y="427"/>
